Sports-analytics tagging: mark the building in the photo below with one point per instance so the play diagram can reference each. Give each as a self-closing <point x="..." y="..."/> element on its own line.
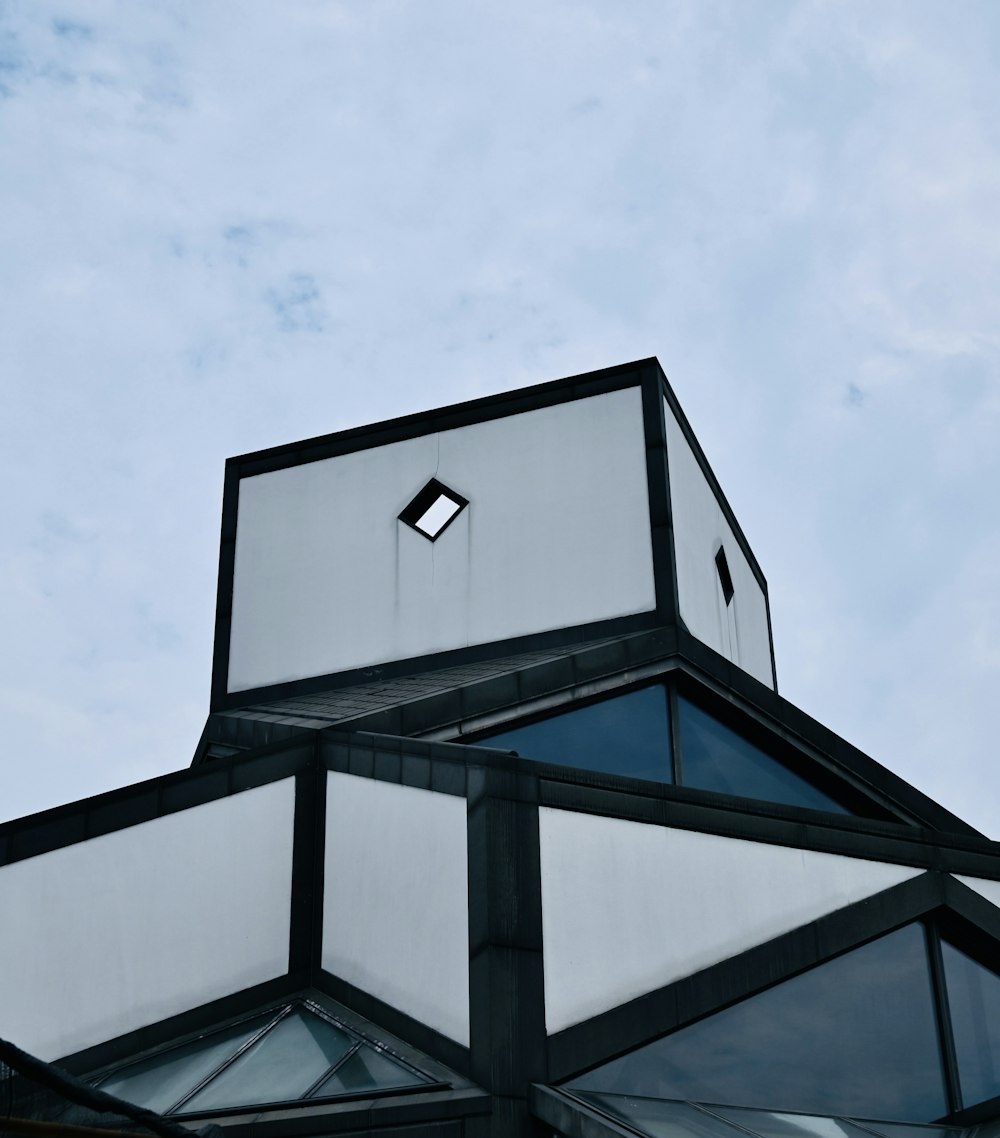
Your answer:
<point x="499" y="826"/>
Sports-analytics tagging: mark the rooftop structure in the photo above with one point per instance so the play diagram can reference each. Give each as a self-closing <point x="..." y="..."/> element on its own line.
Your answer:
<point x="499" y="826"/>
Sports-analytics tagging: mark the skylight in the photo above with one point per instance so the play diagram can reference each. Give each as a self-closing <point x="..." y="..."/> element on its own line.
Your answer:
<point x="433" y="509"/>
<point x="289" y="1054"/>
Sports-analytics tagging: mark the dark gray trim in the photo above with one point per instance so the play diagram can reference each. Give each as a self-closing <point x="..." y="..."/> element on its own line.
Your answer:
<point x="685" y="808"/>
<point x="506" y="987"/>
<point x="392" y="669"/>
<point x="146" y="801"/>
<point x="418" y="1034"/>
<point x="942" y="1015"/>
<point x="305" y="931"/>
<point x="363" y="438"/>
<point x="640" y="1021"/>
<point x="422" y="502"/>
<point x="137" y="1044"/>
<point x="462" y="712"/>
<point x="661" y="524"/>
<point x="570" y="1117"/>
<point x="450" y="1095"/>
<point x="706" y="468"/>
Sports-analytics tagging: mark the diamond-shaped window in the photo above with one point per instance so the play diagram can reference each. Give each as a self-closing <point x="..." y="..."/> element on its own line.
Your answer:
<point x="433" y="510"/>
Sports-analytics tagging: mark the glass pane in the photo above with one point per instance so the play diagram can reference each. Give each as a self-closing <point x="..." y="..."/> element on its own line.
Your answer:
<point x="854" y="1036"/>
<point x="714" y="757"/>
<point x="627" y="734"/>
<point x="280" y="1067"/>
<point x="367" y="1069"/>
<point x="770" y="1124"/>
<point x="902" y="1130"/>
<point x="661" y="1118"/>
<point x="159" y="1082"/>
<point x="974" y="1003"/>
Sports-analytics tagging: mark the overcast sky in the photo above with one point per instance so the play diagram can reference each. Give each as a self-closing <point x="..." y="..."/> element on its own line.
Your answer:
<point x="225" y="226"/>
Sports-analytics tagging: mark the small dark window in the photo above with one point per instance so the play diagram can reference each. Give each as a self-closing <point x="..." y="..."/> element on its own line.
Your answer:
<point x="725" y="577"/>
<point x="433" y="510"/>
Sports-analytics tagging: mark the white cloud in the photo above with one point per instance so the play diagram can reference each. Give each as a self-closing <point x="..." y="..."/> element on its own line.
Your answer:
<point x="226" y="228"/>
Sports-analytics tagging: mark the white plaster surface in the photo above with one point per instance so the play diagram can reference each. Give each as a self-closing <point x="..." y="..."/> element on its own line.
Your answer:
<point x="123" y="930"/>
<point x="396" y="909"/>
<point x="629" y="907"/>
<point x="984" y="887"/>
<point x="556" y="534"/>
<point x="739" y="630"/>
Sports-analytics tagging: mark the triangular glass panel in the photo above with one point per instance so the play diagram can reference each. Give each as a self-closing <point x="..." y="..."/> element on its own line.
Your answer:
<point x="856" y="1035"/>
<point x="163" y="1080"/>
<point x="626" y="734"/>
<point x="661" y="1118"/>
<point x="281" y="1066"/>
<point x="284" y="1056"/>
<point x="714" y="757"/>
<point x="366" y="1070"/>
<point x="774" y="1124"/>
<point x="974" y="1004"/>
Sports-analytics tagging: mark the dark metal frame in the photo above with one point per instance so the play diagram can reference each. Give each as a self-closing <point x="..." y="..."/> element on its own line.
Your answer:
<point x="509" y="1048"/>
<point x="646" y="374"/>
<point x="813" y="770"/>
<point x="431" y="493"/>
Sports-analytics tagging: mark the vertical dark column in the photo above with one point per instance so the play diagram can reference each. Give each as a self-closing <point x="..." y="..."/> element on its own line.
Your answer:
<point x="308" y="848"/>
<point x="507" y="1005"/>
<point x="658" y="481"/>
<point x="224" y="588"/>
<point x="943" y="1014"/>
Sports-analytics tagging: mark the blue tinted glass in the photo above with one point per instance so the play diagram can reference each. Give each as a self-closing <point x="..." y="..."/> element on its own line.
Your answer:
<point x="628" y="734"/>
<point x="662" y="1119"/>
<point x="974" y="1004"/>
<point x="855" y="1036"/>
<point x="902" y="1130"/>
<point x="771" y="1124"/>
<point x="280" y="1067"/>
<point x="714" y="757"/>
<point x="163" y="1080"/>
<point x="366" y="1070"/>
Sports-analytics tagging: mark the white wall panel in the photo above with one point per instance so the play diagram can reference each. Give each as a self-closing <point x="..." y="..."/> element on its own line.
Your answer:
<point x="984" y="887"/>
<point x="556" y="534"/>
<point x="629" y="907"/>
<point x="126" y="929"/>
<point x="396" y="909"/>
<point x="738" y="631"/>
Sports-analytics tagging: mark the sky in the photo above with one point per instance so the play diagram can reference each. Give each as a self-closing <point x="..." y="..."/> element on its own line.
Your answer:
<point x="230" y="225"/>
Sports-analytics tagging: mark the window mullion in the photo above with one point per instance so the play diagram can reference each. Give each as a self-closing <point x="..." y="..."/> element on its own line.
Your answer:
<point x="241" y="1050"/>
<point x="949" y="1055"/>
<point x="675" y="732"/>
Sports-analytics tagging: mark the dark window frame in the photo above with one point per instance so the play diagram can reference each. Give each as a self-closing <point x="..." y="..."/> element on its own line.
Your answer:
<point x="422" y="502"/>
<point x="940" y="926"/>
<point x="725" y="577"/>
<point x="677" y="683"/>
<point x="275" y="1014"/>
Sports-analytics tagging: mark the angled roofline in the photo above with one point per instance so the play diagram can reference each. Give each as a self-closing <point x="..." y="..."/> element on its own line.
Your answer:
<point x="646" y="374"/>
<point x="933" y="895"/>
<point x="460" y="709"/>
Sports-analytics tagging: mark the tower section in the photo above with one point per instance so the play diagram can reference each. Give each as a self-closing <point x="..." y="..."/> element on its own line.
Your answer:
<point x="559" y="514"/>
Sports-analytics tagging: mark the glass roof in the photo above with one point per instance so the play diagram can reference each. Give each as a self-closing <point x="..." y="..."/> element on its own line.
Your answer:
<point x="290" y="1054"/>
<point x="672" y="1118"/>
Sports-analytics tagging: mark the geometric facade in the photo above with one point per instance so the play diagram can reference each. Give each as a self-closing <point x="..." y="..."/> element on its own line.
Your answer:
<point x="499" y="825"/>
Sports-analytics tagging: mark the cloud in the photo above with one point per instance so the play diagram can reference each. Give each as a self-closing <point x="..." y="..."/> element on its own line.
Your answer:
<point x="355" y="212"/>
